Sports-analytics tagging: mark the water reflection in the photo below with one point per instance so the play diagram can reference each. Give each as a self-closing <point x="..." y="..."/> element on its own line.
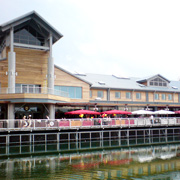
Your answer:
<point x="144" y="162"/>
<point x="39" y="147"/>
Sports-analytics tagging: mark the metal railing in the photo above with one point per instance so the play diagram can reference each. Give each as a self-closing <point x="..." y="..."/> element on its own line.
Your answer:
<point x="34" y="90"/>
<point x="84" y="123"/>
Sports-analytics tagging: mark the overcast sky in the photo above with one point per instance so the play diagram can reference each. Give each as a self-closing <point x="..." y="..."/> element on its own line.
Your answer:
<point x="136" y="38"/>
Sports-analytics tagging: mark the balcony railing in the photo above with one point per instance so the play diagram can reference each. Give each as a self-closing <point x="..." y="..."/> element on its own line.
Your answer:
<point x="34" y="90"/>
<point x="95" y="123"/>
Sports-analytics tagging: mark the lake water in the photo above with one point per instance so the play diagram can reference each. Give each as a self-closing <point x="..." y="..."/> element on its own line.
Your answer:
<point x="147" y="162"/>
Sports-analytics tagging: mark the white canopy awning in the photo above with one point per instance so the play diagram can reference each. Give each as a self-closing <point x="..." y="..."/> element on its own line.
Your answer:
<point x="163" y="112"/>
<point x="138" y="112"/>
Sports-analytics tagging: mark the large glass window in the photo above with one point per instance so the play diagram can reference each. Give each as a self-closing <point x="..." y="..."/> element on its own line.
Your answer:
<point x="28" y="35"/>
<point x="158" y="82"/>
<point x="69" y="91"/>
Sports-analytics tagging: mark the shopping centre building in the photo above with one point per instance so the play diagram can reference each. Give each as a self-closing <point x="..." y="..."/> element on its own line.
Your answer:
<point x="31" y="84"/>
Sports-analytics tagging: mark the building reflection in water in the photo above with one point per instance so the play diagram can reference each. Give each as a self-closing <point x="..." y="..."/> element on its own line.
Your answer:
<point x="145" y="162"/>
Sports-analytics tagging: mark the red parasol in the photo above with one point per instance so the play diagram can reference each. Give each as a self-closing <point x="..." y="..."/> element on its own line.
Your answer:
<point x="83" y="112"/>
<point x="116" y="112"/>
<point x="177" y="112"/>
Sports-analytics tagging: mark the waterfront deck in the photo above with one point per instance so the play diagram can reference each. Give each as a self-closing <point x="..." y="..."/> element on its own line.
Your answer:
<point x="76" y="124"/>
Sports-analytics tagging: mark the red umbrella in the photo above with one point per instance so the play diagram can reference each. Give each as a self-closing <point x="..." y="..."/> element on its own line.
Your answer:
<point x="116" y="112"/>
<point x="177" y="112"/>
<point x="82" y="111"/>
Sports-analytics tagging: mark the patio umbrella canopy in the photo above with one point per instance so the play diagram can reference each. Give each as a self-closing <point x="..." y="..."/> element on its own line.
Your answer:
<point x="82" y="111"/>
<point x="177" y="112"/>
<point x="115" y="112"/>
<point x="163" y="112"/>
<point x="141" y="112"/>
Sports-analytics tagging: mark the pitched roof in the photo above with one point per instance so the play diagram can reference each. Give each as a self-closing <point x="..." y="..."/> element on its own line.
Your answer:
<point x="151" y="77"/>
<point x="112" y="82"/>
<point x="32" y="18"/>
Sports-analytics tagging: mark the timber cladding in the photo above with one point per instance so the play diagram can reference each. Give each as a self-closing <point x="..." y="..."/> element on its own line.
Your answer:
<point x="3" y="76"/>
<point x="65" y="79"/>
<point x="31" y="66"/>
<point x="94" y="93"/>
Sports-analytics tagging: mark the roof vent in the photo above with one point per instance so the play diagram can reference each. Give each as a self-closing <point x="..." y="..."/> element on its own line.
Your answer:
<point x="141" y="85"/>
<point x="120" y="77"/>
<point x="174" y="87"/>
<point x="80" y="73"/>
<point x="101" y="83"/>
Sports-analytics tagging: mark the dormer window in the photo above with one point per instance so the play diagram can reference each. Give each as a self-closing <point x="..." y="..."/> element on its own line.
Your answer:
<point x="158" y="82"/>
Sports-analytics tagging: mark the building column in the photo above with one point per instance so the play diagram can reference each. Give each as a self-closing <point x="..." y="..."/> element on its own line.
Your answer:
<point x="51" y="108"/>
<point x="50" y="74"/>
<point x="11" y="64"/>
<point x="11" y="116"/>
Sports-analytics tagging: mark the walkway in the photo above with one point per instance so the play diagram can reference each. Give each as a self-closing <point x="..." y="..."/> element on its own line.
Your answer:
<point x="100" y="123"/>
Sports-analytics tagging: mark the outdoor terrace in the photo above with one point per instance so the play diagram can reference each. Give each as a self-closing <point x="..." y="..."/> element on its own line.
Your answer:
<point x="33" y="92"/>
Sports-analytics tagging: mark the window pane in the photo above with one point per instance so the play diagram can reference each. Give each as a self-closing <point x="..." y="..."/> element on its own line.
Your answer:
<point x="37" y="88"/>
<point x="138" y="95"/>
<point x="156" y="96"/>
<point x="31" y="88"/>
<point x="24" y="88"/>
<point x="128" y="95"/>
<point x="71" y="92"/>
<point x="18" y="88"/>
<point x="169" y="96"/>
<point x="90" y="95"/>
<point x="100" y="94"/>
<point x="117" y="95"/>
<point x="163" y="96"/>
<point x="78" y="92"/>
